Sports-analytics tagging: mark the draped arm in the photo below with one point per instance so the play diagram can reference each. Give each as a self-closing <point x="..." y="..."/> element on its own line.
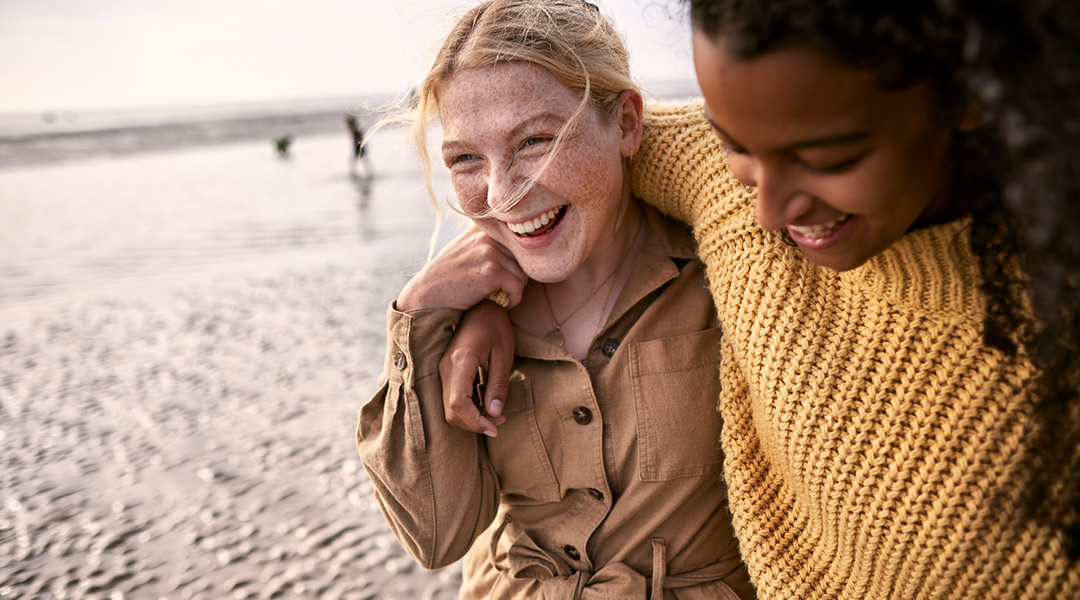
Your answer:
<point x="680" y="168"/>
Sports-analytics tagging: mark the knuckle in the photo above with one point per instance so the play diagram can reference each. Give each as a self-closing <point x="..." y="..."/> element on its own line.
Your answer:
<point x="459" y="357"/>
<point x="458" y="404"/>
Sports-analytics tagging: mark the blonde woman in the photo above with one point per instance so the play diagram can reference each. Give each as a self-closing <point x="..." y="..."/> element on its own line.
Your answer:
<point x="602" y="478"/>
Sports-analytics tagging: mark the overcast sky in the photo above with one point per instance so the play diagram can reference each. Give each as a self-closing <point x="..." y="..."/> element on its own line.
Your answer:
<point x="81" y="54"/>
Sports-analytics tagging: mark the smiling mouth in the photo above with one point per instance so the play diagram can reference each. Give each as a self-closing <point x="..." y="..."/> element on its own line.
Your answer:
<point x="538" y="225"/>
<point x="820" y="230"/>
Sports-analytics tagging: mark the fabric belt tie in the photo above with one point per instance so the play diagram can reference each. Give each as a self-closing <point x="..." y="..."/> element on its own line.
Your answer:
<point x="619" y="580"/>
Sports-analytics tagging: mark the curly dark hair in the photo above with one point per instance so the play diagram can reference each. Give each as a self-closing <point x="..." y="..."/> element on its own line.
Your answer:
<point x="1018" y="63"/>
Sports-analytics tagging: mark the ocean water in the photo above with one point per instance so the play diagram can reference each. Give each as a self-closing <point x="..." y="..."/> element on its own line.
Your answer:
<point x="141" y="197"/>
<point x="41" y="137"/>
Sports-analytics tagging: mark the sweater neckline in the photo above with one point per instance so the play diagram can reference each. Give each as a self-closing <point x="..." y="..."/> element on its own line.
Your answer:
<point x="931" y="269"/>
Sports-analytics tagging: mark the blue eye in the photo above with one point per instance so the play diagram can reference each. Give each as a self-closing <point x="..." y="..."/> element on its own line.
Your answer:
<point x="536" y="139"/>
<point x="460" y="158"/>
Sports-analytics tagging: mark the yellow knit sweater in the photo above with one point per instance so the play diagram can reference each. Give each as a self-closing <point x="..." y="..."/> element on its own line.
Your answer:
<point x="873" y="444"/>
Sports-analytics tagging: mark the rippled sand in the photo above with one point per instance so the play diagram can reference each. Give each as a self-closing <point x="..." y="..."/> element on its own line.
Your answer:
<point x="199" y="444"/>
<point x="191" y="434"/>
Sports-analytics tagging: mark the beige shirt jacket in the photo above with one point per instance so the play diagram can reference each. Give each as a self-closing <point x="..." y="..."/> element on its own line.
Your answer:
<point x="605" y="480"/>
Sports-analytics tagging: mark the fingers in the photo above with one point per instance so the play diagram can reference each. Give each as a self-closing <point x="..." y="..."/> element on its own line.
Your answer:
<point x="500" y="362"/>
<point x="467" y="270"/>
<point x="503" y="273"/>
<point x="457" y="371"/>
<point x="475" y="239"/>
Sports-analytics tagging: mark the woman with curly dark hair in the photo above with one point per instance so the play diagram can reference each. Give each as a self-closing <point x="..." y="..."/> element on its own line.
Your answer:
<point x="887" y="199"/>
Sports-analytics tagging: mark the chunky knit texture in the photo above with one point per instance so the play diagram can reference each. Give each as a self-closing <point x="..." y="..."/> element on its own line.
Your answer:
<point x="875" y="447"/>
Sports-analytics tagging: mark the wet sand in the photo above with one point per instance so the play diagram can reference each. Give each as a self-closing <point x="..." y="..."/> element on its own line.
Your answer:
<point x="191" y="435"/>
<point x="199" y="444"/>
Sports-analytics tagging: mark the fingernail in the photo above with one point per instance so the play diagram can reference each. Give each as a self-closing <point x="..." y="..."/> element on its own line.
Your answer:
<point x="490" y="432"/>
<point x="496" y="406"/>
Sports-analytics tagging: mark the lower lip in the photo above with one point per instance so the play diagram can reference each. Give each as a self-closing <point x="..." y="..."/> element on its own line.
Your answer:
<point x="541" y="241"/>
<point x="821" y="243"/>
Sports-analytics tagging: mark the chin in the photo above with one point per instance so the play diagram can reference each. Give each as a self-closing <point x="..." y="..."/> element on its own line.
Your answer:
<point x="546" y="275"/>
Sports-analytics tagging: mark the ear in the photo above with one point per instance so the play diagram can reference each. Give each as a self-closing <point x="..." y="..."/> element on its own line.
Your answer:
<point x="630" y="118"/>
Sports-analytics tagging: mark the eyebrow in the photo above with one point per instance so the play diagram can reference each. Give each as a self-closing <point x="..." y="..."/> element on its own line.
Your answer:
<point x="832" y="139"/>
<point x="516" y="129"/>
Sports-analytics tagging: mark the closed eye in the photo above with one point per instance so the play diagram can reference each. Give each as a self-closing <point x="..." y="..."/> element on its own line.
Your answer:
<point x="733" y="149"/>
<point x="836" y="167"/>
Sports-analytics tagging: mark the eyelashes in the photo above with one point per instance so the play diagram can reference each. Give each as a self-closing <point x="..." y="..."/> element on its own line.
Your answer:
<point x="828" y="168"/>
<point x="530" y="143"/>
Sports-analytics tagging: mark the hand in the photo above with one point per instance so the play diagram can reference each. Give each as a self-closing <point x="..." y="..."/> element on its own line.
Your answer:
<point x="469" y="268"/>
<point x="483" y="339"/>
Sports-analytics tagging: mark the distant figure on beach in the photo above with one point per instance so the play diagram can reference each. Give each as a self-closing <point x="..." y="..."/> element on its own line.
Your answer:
<point x="359" y="150"/>
<point x="282" y="144"/>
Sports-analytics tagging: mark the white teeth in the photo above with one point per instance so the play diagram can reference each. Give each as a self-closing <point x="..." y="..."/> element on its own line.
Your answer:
<point x="534" y="224"/>
<point x="820" y="230"/>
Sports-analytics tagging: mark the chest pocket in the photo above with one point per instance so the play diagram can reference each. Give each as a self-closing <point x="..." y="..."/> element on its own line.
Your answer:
<point x="676" y="384"/>
<point x="518" y="452"/>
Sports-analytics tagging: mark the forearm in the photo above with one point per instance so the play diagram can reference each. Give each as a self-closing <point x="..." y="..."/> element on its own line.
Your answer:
<point x="680" y="167"/>
<point x="432" y="481"/>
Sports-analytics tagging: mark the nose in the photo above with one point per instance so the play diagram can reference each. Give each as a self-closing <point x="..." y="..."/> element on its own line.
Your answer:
<point x="779" y="199"/>
<point x="504" y="187"/>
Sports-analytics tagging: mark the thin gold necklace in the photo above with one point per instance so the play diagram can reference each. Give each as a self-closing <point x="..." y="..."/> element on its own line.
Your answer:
<point x="555" y="335"/>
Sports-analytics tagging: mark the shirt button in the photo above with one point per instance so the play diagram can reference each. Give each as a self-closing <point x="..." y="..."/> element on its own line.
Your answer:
<point x="582" y="415"/>
<point x="609" y="347"/>
<point x="595" y="493"/>
<point x="572" y="552"/>
<point x="399" y="361"/>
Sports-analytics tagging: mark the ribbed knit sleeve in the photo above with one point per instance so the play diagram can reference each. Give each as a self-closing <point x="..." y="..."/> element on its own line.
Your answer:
<point x="680" y="166"/>
<point x="874" y="446"/>
<point x="681" y="170"/>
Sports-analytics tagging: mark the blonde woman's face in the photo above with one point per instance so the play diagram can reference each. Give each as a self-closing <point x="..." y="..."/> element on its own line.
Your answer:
<point x="500" y="125"/>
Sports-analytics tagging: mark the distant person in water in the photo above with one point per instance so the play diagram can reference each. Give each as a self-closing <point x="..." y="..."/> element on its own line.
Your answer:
<point x="359" y="148"/>
<point x="282" y="145"/>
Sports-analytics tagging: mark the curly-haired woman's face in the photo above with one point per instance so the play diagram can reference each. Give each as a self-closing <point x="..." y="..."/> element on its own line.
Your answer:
<point x="844" y="165"/>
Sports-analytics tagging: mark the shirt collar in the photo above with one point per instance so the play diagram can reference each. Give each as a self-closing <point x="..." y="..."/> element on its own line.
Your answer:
<point x="666" y="242"/>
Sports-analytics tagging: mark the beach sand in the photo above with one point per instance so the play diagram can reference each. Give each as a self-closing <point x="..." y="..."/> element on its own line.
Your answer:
<point x="188" y="431"/>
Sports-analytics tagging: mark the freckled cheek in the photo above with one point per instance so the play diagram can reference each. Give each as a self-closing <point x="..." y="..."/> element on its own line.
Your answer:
<point x="587" y="174"/>
<point x="470" y="192"/>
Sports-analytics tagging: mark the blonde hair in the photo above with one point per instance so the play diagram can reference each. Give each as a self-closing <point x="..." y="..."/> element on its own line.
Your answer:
<point x="569" y="38"/>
